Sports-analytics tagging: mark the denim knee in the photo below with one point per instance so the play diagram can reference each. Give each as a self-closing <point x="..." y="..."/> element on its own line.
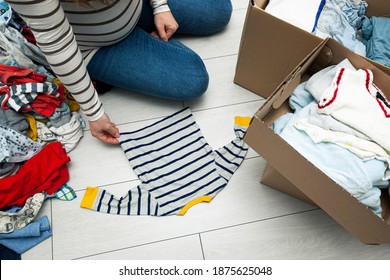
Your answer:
<point x="219" y="16"/>
<point x="197" y="88"/>
<point x="194" y="83"/>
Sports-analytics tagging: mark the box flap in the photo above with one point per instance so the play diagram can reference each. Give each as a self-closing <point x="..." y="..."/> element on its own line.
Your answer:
<point x="378" y="8"/>
<point x="284" y="90"/>
<point x="288" y="87"/>
<point x="268" y="55"/>
<point x="274" y="179"/>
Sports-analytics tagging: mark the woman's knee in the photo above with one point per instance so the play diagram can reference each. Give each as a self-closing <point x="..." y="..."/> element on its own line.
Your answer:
<point x="193" y="85"/>
<point x="201" y="17"/>
<point x="197" y="87"/>
<point x="219" y="16"/>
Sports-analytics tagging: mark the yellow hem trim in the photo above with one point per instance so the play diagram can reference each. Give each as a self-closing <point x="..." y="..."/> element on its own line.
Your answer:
<point x="194" y="202"/>
<point x="89" y="197"/>
<point x="242" y="121"/>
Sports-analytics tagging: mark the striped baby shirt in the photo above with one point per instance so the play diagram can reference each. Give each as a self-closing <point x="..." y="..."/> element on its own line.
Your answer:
<point x="177" y="168"/>
<point x="69" y="34"/>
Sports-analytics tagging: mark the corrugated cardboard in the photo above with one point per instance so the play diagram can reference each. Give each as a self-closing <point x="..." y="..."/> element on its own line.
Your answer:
<point x="290" y="172"/>
<point x="270" y="48"/>
<point x="380" y="8"/>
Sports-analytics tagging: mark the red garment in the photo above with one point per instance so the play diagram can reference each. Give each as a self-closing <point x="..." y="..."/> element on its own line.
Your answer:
<point x="45" y="104"/>
<point x="12" y="75"/>
<point x="45" y="171"/>
<point x="28" y="35"/>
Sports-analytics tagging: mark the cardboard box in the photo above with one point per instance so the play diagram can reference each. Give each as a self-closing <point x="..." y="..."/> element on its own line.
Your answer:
<point x="289" y="172"/>
<point x="271" y="48"/>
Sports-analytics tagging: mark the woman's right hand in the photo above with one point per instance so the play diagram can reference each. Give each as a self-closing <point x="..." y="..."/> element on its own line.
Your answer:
<point x="104" y="130"/>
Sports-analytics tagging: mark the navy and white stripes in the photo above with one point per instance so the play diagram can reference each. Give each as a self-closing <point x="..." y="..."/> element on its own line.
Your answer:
<point x="176" y="166"/>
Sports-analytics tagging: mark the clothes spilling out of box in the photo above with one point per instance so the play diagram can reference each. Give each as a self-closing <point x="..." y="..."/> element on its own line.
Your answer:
<point x="340" y="123"/>
<point x="323" y="128"/>
<point x="343" y="20"/>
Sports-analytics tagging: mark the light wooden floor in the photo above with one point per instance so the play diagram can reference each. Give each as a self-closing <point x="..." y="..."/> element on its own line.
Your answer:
<point x="246" y="220"/>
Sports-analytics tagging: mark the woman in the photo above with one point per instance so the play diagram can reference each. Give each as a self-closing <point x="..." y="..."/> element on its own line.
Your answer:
<point x="123" y="43"/>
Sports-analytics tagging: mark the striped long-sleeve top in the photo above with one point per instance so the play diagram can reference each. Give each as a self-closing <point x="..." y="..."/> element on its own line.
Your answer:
<point x="69" y="34"/>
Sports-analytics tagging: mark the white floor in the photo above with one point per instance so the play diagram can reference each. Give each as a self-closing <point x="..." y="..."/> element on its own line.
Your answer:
<point x="247" y="220"/>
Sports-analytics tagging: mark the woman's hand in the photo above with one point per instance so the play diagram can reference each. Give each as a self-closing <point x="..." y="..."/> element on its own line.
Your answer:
<point x="104" y="130"/>
<point x="166" y="25"/>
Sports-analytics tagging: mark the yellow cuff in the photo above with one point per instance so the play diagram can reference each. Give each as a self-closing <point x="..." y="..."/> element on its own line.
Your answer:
<point x="242" y="121"/>
<point x="89" y="197"/>
<point x="194" y="202"/>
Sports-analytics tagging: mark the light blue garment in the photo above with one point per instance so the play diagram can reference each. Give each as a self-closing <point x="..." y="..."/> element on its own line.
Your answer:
<point x="14" y="120"/>
<point x="24" y="239"/>
<point x="10" y="54"/>
<point x="344" y="167"/>
<point x="376" y="34"/>
<point x="340" y="20"/>
<point x="353" y="9"/>
<point x="5" y="12"/>
<point x="15" y="147"/>
<point x="33" y="229"/>
<point x="170" y="70"/>
<point x="23" y="46"/>
<point x="6" y="15"/>
<point x="300" y="97"/>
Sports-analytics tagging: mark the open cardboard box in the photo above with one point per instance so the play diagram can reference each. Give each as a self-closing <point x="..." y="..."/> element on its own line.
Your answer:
<point x="271" y="48"/>
<point x="289" y="172"/>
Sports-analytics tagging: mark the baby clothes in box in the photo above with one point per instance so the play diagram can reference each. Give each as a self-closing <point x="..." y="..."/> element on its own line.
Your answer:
<point x="353" y="174"/>
<point x="360" y="176"/>
<point x="176" y="166"/>
<point x="376" y="34"/>
<point x="341" y="20"/>
<point x="353" y="99"/>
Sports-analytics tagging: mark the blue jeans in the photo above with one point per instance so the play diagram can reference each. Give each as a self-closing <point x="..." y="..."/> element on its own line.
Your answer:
<point x="145" y="64"/>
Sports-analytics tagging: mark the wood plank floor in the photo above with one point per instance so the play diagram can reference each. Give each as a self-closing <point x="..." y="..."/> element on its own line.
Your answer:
<point x="247" y="220"/>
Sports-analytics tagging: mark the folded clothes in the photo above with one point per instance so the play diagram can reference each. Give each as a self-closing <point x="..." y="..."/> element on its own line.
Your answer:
<point x="24" y="239"/>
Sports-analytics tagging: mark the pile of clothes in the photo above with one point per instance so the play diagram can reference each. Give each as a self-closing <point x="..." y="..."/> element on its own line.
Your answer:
<point x="340" y="123"/>
<point x="343" y="20"/>
<point x="40" y="124"/>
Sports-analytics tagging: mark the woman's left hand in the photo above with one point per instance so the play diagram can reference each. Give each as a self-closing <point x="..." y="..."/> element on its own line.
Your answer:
<point x="166" y="25"/>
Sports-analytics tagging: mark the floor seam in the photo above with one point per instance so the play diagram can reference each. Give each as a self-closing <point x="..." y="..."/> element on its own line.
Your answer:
<point x="197" y="233"/>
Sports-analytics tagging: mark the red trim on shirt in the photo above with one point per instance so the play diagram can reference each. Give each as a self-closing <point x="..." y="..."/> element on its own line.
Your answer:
<point x="335" y="91"/>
